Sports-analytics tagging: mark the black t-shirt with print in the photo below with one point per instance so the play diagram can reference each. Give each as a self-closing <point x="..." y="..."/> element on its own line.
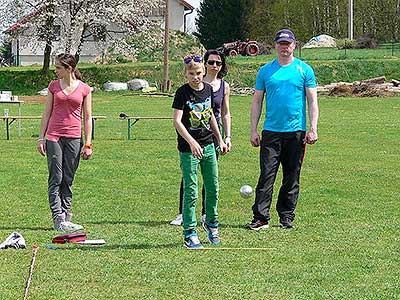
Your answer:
<point x="197" y="109"/>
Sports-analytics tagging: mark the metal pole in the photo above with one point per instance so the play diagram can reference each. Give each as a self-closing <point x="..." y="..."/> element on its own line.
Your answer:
<point x="93" y="123"/>
<point x="350" y="19"/>
<point x="19" y="119"/>
<point x="8" y="129"/>
<point x="166" y="47"/>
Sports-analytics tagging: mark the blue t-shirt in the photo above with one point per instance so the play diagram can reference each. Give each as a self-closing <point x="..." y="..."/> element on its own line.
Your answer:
<point x="285" y="94"/>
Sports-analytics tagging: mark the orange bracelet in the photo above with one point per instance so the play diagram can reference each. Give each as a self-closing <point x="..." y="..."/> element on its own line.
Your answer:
<point x="90" y="146"/>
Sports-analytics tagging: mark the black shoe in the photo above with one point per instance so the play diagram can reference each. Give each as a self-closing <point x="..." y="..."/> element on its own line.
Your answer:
<point x="257" y="225"/>
<point x="286" y="223"/>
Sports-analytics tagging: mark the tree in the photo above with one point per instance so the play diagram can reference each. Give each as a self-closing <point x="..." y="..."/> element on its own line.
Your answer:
<point x="221" y="21"/>
<point x="71" y="22"/>
<point x="308" y="18"/>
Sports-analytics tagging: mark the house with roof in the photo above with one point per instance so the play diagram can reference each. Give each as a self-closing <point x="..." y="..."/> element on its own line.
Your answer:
<point x="28" y="49"/>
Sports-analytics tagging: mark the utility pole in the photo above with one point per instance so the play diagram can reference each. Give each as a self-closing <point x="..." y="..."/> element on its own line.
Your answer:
<point x="166" y="84"/>
<point x="351" y="19"/>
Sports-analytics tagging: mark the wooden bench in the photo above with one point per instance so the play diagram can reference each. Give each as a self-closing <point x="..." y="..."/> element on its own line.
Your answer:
<point x="133" y="120"/>
<point x="10" y="119"/>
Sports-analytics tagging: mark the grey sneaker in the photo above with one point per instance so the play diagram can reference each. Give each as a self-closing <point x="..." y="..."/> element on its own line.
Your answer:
<point x="212" y="234"/>
<point x="57" y="220"/>
<point x="69" y="226"/>
<point x="192" y="241"/>
<point x="68" y="216"/>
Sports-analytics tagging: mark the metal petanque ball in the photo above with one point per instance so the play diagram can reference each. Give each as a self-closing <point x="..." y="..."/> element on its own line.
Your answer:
<point x="246" y="191"/>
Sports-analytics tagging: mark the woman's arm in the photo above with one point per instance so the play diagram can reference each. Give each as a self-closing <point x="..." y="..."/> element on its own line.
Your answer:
<point x="226" y="116"/>
<point x="87" y="150"/>
<point x="44" y="123"/>
<point x="214" y="127"/>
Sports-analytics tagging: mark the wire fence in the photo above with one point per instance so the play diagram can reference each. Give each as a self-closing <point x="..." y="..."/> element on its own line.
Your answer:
<point x="384" y="51"/>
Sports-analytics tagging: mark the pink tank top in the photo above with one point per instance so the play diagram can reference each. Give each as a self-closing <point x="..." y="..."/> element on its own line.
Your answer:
<point x="66" y="115"/>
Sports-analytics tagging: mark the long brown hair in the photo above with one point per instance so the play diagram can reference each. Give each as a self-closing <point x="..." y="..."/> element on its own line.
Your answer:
<point x="68" y="60"/>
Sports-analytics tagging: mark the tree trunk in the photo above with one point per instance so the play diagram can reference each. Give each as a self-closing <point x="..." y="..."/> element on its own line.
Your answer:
<point x="46" y="59"/>
<point x="81" y="41"/>
<point x="49" y="39"/>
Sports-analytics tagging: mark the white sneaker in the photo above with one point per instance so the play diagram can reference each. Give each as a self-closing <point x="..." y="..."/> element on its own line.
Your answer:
<point x="69" y="226"/>
<point x="178" y="220"/>
<point x="203" y="219"/>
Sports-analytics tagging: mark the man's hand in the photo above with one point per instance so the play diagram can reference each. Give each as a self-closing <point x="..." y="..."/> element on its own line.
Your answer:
<point x="255" y="139"/>
<point x="311" y="137"/>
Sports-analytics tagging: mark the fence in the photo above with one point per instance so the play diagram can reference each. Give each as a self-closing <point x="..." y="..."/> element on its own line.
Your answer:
<point x="384" y="51"/>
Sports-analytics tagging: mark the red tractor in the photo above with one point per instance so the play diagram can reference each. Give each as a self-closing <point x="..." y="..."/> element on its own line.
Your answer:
<point x="248" y="47"/>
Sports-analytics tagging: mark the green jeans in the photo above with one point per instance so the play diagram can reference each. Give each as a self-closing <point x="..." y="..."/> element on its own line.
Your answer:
<point x="209" y="171"/>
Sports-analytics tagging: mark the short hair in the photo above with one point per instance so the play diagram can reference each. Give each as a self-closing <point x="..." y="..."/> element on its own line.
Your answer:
<point x="194" y="65"/>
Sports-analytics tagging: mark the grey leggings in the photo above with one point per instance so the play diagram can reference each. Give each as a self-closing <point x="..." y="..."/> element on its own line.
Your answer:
<point x="62" y="161"/>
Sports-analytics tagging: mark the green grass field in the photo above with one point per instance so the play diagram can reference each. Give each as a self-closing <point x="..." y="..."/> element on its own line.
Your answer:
<point x="345" y="244"/>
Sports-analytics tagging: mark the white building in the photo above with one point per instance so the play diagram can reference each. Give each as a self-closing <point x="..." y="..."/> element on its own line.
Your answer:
<point x="29" y="52"/>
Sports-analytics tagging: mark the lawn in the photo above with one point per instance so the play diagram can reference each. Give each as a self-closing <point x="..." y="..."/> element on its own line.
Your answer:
<point x="345" y="244"/>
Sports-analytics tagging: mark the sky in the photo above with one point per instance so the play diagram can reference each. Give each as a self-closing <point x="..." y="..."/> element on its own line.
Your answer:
<point x="192" y="16"/>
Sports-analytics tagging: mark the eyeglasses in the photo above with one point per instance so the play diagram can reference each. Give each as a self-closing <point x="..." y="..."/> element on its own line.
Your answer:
<point x="195" y="58"/>
<point x="212" y="62"/>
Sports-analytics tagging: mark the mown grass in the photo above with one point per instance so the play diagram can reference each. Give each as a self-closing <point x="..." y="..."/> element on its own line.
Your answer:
<point x="345" y="244"/>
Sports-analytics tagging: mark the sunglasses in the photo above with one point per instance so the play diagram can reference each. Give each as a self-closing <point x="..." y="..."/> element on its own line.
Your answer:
<point x="195" y="58"/>
<point x="212" y="62"/>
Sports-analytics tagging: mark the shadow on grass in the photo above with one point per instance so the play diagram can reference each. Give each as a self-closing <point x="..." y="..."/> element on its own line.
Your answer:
<point x="158" y="223"/>
<point x="120" y="247"/>
<point x="122" y="222"/>
<point x="149" y="139"/>
<point x="240" y="226"/>
<point x="20" y="228"/>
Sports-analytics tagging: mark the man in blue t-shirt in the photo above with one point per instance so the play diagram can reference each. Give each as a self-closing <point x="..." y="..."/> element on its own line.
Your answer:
<point x="288" y="84"/>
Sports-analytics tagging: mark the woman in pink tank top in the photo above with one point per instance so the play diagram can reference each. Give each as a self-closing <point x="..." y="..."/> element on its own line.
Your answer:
<point x="60" y="136"/>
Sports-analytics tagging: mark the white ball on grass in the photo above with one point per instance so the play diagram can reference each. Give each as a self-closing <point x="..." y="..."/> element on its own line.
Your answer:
<point x="246" y="191"/>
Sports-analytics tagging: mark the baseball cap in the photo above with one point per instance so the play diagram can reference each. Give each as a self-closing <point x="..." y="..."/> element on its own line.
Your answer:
<point x="284" y="35"/>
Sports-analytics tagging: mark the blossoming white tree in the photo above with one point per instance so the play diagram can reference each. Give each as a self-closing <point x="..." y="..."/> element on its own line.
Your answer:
<point x="70" y="22"/>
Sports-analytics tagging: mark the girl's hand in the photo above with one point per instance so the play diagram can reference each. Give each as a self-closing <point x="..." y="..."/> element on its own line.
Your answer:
<point x="87" y="152"/>
<point x="42" y="147"/>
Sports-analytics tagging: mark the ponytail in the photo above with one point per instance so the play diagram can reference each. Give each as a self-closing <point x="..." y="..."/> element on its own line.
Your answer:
<point x="77" y="74"/>
<point x="68" y="60"/>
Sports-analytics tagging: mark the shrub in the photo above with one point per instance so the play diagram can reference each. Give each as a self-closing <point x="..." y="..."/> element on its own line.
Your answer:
<point x="345" y="44"/>
<point x="367" y="41"/>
